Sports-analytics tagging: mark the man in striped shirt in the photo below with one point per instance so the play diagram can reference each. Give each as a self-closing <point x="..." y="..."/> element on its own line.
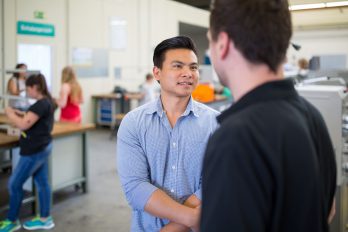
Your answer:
<point x="160" y="145"/>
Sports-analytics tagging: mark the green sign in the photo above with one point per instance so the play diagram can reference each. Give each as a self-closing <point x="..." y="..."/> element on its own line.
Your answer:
<point x="39" y="14"/>
<point x="40" y="29"/>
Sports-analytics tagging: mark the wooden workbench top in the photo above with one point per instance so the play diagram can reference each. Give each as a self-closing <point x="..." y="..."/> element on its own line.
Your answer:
<point x="59" y="129"/>
<point x="64" y="128"/>
<point x="129" y="95"/>
<point x="8" y="141"/>
<point x="4" y="119"/>
<point x="108" y="96"/>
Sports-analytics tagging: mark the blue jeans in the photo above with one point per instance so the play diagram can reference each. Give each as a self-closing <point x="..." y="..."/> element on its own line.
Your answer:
<point x="35" y="165"/>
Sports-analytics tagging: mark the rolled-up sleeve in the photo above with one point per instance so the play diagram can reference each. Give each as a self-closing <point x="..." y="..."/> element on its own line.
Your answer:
<point x="198" y="194"/>
<point x="132" y="165"/>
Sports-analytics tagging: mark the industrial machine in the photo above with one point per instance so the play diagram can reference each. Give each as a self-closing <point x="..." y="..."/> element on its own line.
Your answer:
<point x="332" y="102"/>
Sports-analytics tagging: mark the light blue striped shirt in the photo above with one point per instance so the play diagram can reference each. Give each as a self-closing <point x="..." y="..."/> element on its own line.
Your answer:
<point x="152" y="155"/>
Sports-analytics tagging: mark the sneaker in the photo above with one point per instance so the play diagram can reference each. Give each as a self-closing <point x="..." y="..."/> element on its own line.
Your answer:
<point x="9" y="226"/>
<point x="36" y="224"/>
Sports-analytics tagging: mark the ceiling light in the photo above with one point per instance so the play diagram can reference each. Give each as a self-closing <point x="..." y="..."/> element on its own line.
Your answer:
<point x="318" y="5"/>
<point x="307" y="6"/>
<point x="336" y="4"/>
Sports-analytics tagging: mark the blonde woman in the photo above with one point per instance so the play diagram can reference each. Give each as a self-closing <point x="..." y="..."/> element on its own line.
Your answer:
<point x="70" y="97"/>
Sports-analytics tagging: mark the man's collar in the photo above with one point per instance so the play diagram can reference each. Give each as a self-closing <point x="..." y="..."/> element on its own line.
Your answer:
<point x="157" y="106"/>
<point x="269" y="91"/>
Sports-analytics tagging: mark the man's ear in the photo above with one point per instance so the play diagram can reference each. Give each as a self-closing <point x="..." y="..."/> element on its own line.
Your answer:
<point x="156" y="73"/>
<point x="223" y="44"/>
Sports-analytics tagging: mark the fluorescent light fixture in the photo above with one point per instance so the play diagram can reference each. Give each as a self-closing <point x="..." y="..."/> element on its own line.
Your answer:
<point x="336" y="4"/>
<point x="318" y="5"/>
<point x="308" y="6"/>
<point x="118" y="22"/>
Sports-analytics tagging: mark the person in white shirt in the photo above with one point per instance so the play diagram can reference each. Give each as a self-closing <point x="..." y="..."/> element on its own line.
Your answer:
<point x="16" y="87"/>
<point x="150" y="90"/>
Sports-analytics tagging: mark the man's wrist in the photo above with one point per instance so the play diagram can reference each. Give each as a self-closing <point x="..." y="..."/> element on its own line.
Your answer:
<point x="190" y="218"/>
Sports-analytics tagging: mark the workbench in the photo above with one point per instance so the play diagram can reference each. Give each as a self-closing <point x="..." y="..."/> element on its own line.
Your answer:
<point x="106" y="106"/>
<point x="220" y="103"/>
<point x="68" y="161"/>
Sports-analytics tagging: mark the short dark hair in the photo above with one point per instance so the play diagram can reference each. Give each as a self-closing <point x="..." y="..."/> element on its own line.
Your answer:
<point x="172" y="43"/>
<point x="260" y="29"/>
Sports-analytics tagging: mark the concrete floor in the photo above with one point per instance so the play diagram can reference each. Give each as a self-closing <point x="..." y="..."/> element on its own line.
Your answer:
<point x="104" y="207"/>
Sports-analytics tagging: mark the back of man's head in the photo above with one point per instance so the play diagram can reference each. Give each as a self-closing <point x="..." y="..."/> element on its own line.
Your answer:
<point x="172" y="43"/>
<point x="260" y="29"/>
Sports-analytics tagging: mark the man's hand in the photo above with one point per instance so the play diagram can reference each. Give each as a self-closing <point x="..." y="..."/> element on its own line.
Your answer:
<point x="193" y="218"/>
<point x="332" y="211"/>
<point x="174" y="227"/>
<point x="163" y="206"/>
<point x="196" y="218"/>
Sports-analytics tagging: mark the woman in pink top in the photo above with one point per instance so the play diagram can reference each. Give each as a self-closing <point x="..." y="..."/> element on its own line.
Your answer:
<point x="70" y="97"/>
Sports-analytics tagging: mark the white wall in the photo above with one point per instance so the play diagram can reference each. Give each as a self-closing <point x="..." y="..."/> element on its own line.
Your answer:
<point x="319" y="42"/>
<point x="85" y="23"/>
<point x="2" y="82"/>
<point x="10" y="40"/>
<point x="148" y="23"/>
<point x="23" y="10"/>
<point x="16" y="10"/>
<point x="331" y="17"/>
<point x="319" y="32"/>
<point x="54" y="14"/>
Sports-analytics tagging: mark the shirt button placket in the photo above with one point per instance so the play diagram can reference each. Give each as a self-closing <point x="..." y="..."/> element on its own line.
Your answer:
<point x="174" y="144"/>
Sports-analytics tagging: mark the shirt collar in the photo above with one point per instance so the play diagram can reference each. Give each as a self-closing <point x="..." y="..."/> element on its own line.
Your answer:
<point x="191" y="107"/>
<point x="157" y="107"/>
<point x="272" y="90"/>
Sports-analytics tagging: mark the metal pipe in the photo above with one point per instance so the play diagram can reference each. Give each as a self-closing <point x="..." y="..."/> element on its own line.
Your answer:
<point x="11" y="71"/>
<point x="2" y="50"/>
<point x="13" y="97"/>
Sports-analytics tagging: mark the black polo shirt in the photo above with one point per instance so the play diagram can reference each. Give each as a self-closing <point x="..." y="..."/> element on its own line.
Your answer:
<point x="270" y="167"/>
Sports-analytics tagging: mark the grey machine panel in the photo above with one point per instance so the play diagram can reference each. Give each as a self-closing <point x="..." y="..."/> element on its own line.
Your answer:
<point x="332" y="102"/>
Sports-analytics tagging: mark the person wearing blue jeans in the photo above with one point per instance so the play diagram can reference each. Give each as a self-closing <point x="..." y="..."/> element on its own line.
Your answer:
<point x="35" y="165"/>
<point x="35" y="147"/>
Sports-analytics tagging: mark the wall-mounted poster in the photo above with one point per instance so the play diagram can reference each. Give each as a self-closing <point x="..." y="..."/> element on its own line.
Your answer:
<point x="82" y="57"/>
<point x="118" y="33"/>
<point x="90" y="62"/>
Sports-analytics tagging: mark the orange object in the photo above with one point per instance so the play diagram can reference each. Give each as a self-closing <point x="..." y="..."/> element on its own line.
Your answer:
<point x="204" y="92"/>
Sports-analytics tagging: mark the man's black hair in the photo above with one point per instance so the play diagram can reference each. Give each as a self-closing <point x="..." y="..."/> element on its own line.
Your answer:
<point x="172" y="43"/>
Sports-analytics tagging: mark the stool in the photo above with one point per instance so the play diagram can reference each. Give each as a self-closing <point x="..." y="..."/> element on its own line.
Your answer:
<point x="117" y="121"/>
